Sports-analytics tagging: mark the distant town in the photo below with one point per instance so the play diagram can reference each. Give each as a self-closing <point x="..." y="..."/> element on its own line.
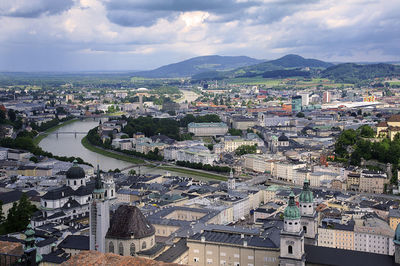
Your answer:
<point x="297" y="164"/>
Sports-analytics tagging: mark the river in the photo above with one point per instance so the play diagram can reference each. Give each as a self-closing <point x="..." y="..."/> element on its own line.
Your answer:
<point x="70" y="145"/>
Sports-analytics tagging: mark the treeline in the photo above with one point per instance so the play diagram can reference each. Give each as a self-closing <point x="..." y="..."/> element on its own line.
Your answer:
<point x="246" y="149"/>
<point x="207" y="167"/>
<point x="151" y="155"/>
<point x="25" y="142"/>
<point x="152" y="126"/>
<point x="183" y="122"/>
<point x="353" y="145"/>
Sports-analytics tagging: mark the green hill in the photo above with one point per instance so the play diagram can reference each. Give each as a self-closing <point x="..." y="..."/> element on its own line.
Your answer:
<point x="198" y="65"/>
<point x="350" y="72"/>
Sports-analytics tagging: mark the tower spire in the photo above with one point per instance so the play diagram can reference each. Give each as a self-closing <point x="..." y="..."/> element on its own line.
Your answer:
<point x="98" y="183"/>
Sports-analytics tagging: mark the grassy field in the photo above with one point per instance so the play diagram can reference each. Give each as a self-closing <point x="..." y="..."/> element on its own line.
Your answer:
<point x="193" y="172"/>
<point x="256" y="81"/>
<point x="121" y="157"/>
<point x="40" y="137"/>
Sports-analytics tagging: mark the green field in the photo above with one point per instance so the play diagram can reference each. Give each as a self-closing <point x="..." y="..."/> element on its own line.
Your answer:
<point x="193" y="172"/>
<point x="117" y="156"/>
<point x="256" y="81"/>
<point x="44" y="134"/>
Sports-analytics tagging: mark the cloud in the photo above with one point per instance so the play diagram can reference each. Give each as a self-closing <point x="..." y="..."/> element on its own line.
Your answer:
<point x="33" y="8"/>
<point x="143" y="34"/>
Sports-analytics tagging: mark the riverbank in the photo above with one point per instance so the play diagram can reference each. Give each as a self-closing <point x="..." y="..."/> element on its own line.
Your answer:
<point x="44" y="134"/>
<point x="85" y="143"/>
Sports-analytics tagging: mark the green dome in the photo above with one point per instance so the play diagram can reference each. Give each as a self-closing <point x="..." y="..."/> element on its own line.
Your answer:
<point x="306" y="196"/>
<point x="396" y="239"/>
<point x="291" y="212"/>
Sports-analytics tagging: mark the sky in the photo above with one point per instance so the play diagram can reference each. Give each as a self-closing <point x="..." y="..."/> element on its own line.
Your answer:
<point x="92" y="35"/>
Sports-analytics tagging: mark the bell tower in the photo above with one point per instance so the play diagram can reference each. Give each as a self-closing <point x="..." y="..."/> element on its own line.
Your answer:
<point x="308" y="214"/>
<point x="99" y="216"/>
<point x="292" y="237"/>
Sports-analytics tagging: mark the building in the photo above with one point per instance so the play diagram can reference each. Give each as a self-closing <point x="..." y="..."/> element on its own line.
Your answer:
<point x="296" y="104"/>
<point x="292" y="236"/>
<point x="129" y="233"/>
<point x="327" y="97"/>
<point x="305" y="98"/>
<point x="388" y="128"/>
<point x="256" y="163"/>
<point x="243" y="123"/>
<point x="208" y="129"/>
<point x="99" y="216"/>
<point x="231" y="145"/>
<point x="372" y="182"/>
<point x="231" y="247"/>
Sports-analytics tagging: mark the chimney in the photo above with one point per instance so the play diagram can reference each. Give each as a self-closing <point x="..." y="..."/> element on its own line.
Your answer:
<point x="241" y="235"/>
<point x="245" y="243"/>
<point x="203" y="239"/>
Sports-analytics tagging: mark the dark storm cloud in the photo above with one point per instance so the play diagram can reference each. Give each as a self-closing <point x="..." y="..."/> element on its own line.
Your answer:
<point x="146" y="13"/>
<point x="133" y="13"/>
<point x="33" y="9"/>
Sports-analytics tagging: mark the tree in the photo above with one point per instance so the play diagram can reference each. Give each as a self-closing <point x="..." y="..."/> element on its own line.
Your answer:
<point x="366" y="131"/>
<point x="18" y="216"/>
<point x="235" y="132"/>
<point x="11" y="115"/>
<point x="132" y="172"/>
<point x="300" y="115"/>
<point x="246" y="149"/>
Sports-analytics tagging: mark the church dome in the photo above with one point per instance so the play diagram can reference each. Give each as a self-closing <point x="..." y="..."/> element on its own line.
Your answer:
<point x="306" y="196"/>
<point x="283" y="138"/>
<point x="397" y="235"/>
<point x="75" y="172"/>
<point x="291" y="212"/>
<point x="129" y="222"/>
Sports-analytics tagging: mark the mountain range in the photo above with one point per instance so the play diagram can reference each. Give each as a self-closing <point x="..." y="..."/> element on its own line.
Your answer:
<point x="223" y="67"/>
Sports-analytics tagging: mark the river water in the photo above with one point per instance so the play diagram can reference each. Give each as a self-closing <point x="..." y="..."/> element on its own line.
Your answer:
<point x="70" y="145"/>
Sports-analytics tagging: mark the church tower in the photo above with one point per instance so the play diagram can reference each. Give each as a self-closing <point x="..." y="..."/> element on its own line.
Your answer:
<point x="292" y="237"/>
<point x="308" y="214"/>
<point x="231" y="181"/>
<point x="99" y="216"/>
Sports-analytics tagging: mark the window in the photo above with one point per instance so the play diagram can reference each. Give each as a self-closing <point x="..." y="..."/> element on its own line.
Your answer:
<point x="209" y="261"/>
<point x="195" y="259"/>
<point x="132" y="249"/>
<point x="105" y="194"/>
<point x="237" y="263"/>
<point x="305" y="229"/>
<point x="144" y="245"/>
<point x="250" y="257"/>
<point x="111" y="247"/>
<point x="121" y="249"/>
<point x="196" y="251"/>
<point x="74" y="182"/>
<point x="236" y="256"/>
<point x="290" y="249"/>
<point x="112" y="192"/>
<point x="209" y="252"/>
<point x="81" y="182"/>
<point x="223" y="254"/>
